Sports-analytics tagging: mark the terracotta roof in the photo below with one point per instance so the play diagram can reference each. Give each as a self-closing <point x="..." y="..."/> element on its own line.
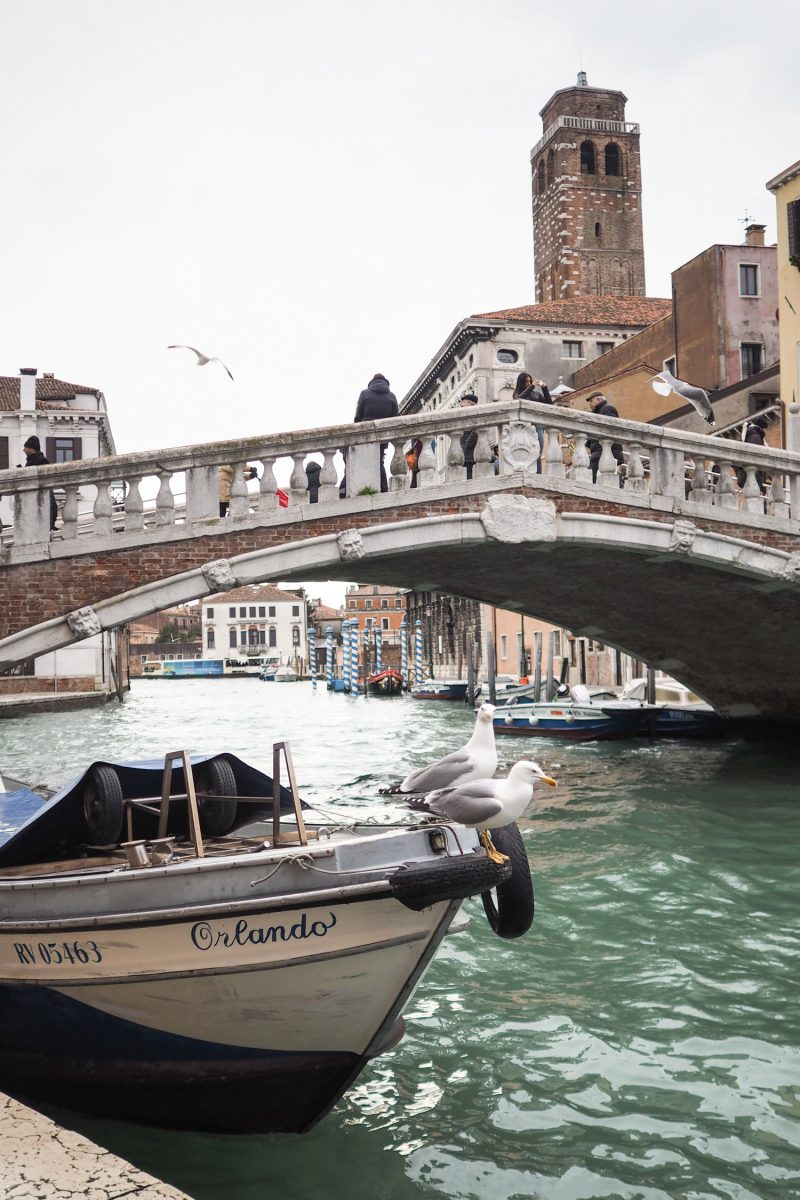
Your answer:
<point x="50" y="392"/>
<point x="323" y="612"/>
<point x="258" y="594"/>
<point x="587" y="310"/>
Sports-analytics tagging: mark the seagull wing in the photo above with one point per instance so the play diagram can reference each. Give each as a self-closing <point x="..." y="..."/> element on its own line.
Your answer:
<point x="473" y="804"/>
<point x="441" y="774"/>
<point x="197" y="352"/>
<point x="221" y="363"/>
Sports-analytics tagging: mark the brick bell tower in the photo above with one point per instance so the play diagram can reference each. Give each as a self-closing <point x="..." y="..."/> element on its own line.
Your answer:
<point x="587" y="191"/>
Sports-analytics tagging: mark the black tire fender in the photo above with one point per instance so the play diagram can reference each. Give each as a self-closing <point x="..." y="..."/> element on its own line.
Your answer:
<point x="420" y="885"/>
<point x="102" y="805"/>
<point x="218" y="810"/>
<point x="509" y="906"/>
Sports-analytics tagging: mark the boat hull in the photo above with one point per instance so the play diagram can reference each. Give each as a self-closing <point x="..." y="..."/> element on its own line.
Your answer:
<point x="385" y="683"/>
<point x="440" y="691"/>
<point x="565" y="721"/>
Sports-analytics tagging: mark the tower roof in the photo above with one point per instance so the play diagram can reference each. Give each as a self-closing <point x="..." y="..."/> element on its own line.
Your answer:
<point x="587" y="310"/>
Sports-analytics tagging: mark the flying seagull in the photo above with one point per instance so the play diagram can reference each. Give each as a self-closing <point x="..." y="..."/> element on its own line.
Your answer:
<point x="475" y="760"/>
<point x="665" y="382"/>
<point x="487" y="803"/>
<point x="202" y="359"/>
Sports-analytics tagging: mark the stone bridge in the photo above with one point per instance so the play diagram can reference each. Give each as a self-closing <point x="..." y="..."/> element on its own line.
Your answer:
<point x="681" y="567"/>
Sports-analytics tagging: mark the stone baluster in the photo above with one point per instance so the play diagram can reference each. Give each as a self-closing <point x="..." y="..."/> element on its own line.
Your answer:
<point x="777" y="502"/>
<point x="202" y="494"/>
<point x="753" y="498"/>
<point x="165" y="501"/>
<point x="399" y="476"/>
<point x="328" y="486"/>
<point x="725" y="491"/>
<point x="553" y="462"/>
<point x="667" y="473"/>
<point x="635" y="479"/>
<point x="103" y="510"/>
<point x="298" y="480"/>
<point x="69" y="513"/>
<point x="239" y="505"/>
<point x="699" y="491"/>
<point x="267" y="490"/>
<point x="31" y="517"/>
<point x="455" y="470"/>
<point x="483" y="453"/>
<point x="427" y="465"/>
<point x="607" y="466"/>
<point x="581" y="470"/>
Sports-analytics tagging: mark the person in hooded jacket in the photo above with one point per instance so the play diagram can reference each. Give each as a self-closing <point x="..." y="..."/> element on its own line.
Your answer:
<point x="35" y="458"/>
<point x="603" y="408"/>
<point x="376" y="402"/>
<point x="528" y="388"/>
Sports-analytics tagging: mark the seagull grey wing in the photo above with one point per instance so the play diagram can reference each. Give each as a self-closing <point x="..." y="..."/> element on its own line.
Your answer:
<point x="441" y="774"/>
<point x="473" y="804"/>
<point x="222" y="364"/>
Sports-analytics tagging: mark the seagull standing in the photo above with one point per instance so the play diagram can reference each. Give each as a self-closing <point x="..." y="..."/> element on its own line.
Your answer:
<point x="202" y="359"/>
<point x="665" y="382"/>
<point x="475" y="760"/>
<point x="487" y="803"/>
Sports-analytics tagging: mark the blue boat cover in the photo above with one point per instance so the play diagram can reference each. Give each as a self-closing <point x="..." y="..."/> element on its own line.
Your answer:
<point x="33" y="828"/>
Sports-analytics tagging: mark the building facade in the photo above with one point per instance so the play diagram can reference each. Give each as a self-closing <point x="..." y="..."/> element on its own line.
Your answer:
<point x="256" y="620"/>
<point x="786" y="190"/>
<point x="587" y="197"/>
<point x="376" y="607"/>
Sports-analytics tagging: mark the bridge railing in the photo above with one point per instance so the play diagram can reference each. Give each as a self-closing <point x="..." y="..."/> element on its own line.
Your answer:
<point x="152" y="490"/>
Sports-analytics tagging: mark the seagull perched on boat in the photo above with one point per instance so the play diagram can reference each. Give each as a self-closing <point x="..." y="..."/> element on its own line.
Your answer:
<point x="475" y="760"/>
<point x="487" y="803"/>
<point x="665" y="382"/>
<point x="202" y="359"/>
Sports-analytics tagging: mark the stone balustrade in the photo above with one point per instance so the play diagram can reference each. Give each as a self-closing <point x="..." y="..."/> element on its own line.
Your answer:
<point x="666" y="468"/>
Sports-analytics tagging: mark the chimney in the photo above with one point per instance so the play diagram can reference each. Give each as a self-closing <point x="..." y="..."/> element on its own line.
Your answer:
<point x="27" y="389"/>
<point x="754" y="235"/>
<point x="582" y="80"/>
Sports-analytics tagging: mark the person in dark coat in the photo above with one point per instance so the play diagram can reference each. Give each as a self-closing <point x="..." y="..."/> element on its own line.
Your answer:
<point x="469" y="439"/>
<point x="312" y="475"/>
<point x="528" y="388"/>
<point x="603" y="408"/>
<point x="35" y="458"/>
<point x="755" y="435"/>
<point x="376" y="402"/>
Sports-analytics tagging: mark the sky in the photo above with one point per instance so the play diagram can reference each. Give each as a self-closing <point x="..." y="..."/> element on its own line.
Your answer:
<point x="316" y="191"/>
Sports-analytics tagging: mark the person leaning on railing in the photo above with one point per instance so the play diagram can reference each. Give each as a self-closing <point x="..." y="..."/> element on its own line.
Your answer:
<point x="598" y="404"/>
<point x="35" y="458"/>
<point x="225" y="482"/>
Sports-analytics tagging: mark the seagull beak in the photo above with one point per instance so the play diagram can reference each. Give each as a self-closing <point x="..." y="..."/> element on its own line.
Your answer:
<point x="548" y="779"/>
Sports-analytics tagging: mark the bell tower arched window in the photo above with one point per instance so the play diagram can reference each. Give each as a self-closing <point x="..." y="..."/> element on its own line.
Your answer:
<point x="540" y="177"/>
<point x="588" y="159"/>
<point x="551" y="167"/>
<point x="612" y="157"/>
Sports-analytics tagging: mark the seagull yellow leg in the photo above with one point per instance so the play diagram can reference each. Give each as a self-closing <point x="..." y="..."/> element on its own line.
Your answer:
<point x="492" y="852"/>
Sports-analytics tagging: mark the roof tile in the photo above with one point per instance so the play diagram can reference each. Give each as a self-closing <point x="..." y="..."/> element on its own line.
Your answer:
<point x="587" y="310"/>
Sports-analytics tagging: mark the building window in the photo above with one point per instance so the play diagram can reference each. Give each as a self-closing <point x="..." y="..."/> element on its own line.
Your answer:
<point x="551" y="167"/>
<point x="210" y="639"/>
<point x="540" y="177"/>
<point x="612" y="159"/>
<point x="63" y="449"/>
<point x="368" y="604"/>
<point x="384" y="622"/>
<point x="262" y="612"/>
<point x="3" y="453"/>
<point x="209" y="614"/>
<point x="242" y="611"/>
<point x="604" y="347"/>
<point x="243" y="637"/>
<point x="751" y="353"/>
<point x="588" y="159"/>
<point x="572" y="349"/>
<point x="262" y="637"/>
<point x="252" y="637"/>
<point x="232" y="639"/>
<point x="504" y="646"/>
<point x="384" y="603"/>
<point x="748" y="279"/>
<point x="271" y="612"/>
<point x="252" y="610"/>
<point x="793" y="222"/>
<point x="273" y="636"/>
<point x="597" y="229"/>
<point x="143" y="658"/>
<point x="557" y="644"/>
<point x="368" y="622"/>
<point x="507" y="356"/>
<point x="295" y="610"/>
<point x="351" y="604"/>
<point x="231" y="612"/>
<point x="295" y="635"/>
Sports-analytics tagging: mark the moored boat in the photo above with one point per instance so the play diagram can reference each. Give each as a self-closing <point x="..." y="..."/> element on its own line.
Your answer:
<point x="223" y="968"/>
<point x="387" y="682"/>
<point x="578" y="715"/>
<point x="443" y="689"/>
<point x="286" y="674"/>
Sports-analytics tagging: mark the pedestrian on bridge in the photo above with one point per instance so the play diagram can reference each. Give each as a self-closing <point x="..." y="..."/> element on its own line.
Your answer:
<point x="469" y="438"/>
<point x="375" y="403"/>
<point x="35" y="458"/>
<point x="755" y="435"/>
<point x="225" y="481"/>
<point x="528" y="388"/>
<point x="598" y="404"/>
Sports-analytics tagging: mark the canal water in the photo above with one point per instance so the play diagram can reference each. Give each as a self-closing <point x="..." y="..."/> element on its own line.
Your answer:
<point x="641" y="1042"/>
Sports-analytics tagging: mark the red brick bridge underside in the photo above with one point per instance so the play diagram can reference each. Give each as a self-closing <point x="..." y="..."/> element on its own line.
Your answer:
<point x="712" y="602"/>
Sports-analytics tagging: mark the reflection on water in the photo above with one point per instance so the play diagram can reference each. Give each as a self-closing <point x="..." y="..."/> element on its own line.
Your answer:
<point x="642" y="1041"/>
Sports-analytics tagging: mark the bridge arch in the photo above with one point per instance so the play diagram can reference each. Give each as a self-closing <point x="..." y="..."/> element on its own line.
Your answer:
<point x="673" y="593"/>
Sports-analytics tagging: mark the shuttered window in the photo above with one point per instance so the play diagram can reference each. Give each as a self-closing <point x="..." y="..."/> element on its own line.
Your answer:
<point x="3" y="453"/>
<point x="63" y="449"/>
<point x="793" y="214"/>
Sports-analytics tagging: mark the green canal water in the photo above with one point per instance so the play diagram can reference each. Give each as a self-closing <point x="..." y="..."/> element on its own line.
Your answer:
<point x="642" y="1041"/>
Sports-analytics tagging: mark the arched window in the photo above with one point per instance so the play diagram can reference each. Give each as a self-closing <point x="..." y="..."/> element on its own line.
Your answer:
<point x="612" y="159"/>
<point x="551" y="167"/>
<point x="273" y="636"/>
<point x="232" y="638"/>
<point x="540" y="177"/>
<point x="588" y="160"/>
<point x="210" y="639"/>
<point x="597" y="229"/>
<point x="252" y="636"/>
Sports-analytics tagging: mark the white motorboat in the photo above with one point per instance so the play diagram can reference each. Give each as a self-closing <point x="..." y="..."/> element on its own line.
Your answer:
<point x="227" y="965"/>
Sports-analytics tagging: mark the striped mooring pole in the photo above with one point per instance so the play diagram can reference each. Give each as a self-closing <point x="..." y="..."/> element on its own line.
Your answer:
<point x="418" y="650"/>
<point x="378" y="649"/>
<point x="346" y="654"/>
<point x="329" y="655"/>
<point x="312" y="655"/>
<point x="354" y="655"/>
<point x="404" y="653"/>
